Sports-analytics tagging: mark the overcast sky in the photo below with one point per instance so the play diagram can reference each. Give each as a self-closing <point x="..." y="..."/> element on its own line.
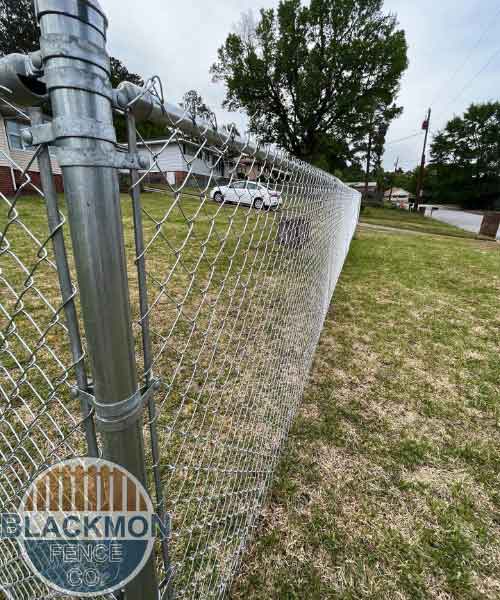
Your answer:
<point x="454" y="52"/>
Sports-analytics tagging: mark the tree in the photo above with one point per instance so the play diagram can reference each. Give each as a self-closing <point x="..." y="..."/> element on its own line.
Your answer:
<point x="369" y="141"/>
<point x="196" y="107"/>
<point x="407" y="181"/>
<point x="246" y="27"/>
<point x="18" y="27"/>
<point x="465" y="158"/>
<point x="119" y="73"/>
<point x="231" y="128"/>
<point x="19" y="33"/>
<point x="310" y="77"/>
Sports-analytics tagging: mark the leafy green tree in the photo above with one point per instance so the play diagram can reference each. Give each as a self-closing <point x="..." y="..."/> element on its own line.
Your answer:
<point x="310" y="76"/>
<point x="465" y="165"/>
<point x="196" y="107"/>
<point x="18" y="27"/>
<point x="407" y="181"/>
<point x="232" y="128"/>
<point x="397" y="179"/>
<point x="369" y="144"/>
<point x="119" y="73"/>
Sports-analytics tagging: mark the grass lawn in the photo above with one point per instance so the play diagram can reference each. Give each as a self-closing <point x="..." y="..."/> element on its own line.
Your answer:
<point x="390" y="483"/>
<point x="401" y="219"/>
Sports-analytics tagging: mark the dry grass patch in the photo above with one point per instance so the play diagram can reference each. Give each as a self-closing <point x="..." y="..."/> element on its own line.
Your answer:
<point x="390" y="486"/>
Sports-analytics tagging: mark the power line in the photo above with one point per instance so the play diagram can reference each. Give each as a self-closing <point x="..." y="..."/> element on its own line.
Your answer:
<point x="460" y="67"/>
<point x="482" y="36"/>
<point x="474" y="77"/>
<point x="398" y="141"/>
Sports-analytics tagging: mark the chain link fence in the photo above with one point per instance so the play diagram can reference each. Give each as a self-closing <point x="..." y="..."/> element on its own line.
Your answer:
<point x="231" y="254"/>
<point x="41" y="423"/>
<point x="236" y="299"/>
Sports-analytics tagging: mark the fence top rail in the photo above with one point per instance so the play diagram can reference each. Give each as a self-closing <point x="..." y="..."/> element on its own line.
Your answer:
<point x="147" y="104"/>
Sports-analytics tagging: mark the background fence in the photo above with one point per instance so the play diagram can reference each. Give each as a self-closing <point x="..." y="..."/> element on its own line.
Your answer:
<point x="216" y="305"/>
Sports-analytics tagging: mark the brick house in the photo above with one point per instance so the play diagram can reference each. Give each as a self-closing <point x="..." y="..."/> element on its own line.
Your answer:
<point x="15" y="155"/>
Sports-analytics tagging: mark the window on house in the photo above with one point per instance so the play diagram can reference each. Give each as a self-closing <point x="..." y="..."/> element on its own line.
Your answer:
<point x="14" y="130"/>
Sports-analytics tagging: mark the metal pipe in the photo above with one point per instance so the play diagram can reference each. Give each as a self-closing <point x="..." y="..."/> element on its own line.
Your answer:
<point x="148" y="107"/>
<point x="13" y="179"/>
<point x="67" y="292"/>
<point x="77" y="74"/>
<point x="20" y="75"/>
<point x="147" y="347"/>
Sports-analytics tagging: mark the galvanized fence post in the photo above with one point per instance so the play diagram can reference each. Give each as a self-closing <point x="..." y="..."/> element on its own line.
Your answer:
<point x="77" y="75"/>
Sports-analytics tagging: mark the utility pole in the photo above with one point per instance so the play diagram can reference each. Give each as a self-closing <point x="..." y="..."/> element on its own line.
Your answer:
<point x="368" y="160"/>
<point x="420" y="182"/>
<point x="396" y="165"/>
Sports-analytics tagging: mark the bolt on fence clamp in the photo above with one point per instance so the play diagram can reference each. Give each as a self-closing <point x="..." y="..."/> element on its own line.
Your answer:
<point x="120" y="415"/>
<point x="102" y="158"/>
<point x="64" y="127"/>
<point x="68" y="127"/>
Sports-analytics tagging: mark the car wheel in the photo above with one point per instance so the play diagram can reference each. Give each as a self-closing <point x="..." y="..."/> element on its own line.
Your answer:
<point x="258" y="203"/>
<point x="218" y="197"/>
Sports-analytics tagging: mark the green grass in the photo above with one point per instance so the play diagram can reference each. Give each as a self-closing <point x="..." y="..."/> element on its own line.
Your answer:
<point x="389" y="487"/>
<point x="401" y="219"/>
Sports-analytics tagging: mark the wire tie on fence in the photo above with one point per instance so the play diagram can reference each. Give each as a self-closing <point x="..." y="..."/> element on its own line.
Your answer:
<point x="120" y="415"/>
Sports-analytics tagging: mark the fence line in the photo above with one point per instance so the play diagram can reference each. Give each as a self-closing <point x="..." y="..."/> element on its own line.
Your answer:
<point x="203" y="295"/>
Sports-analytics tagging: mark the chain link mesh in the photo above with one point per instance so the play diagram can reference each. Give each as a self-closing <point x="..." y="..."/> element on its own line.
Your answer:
<point x="242" y="250"/>
<point x="242" y="253"/>
<point x="40" y="422"/>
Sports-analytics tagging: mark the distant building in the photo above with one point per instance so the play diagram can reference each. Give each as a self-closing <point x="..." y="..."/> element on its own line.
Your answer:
<point x="179" y="160"/>
<point x="399" y="196"/>
<point x="372" y="196"/>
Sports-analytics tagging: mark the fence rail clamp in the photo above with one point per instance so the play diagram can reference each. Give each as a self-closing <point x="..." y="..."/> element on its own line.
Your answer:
<point x="120" y="415"/>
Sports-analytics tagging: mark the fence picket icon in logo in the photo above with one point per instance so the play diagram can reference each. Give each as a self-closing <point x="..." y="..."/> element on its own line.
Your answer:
<point x="86" y="526"/>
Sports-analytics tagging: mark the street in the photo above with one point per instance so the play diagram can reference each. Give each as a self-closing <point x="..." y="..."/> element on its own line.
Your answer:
<point x="467" y="221"/>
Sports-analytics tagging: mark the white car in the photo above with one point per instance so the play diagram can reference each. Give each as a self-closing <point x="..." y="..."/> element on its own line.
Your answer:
<point x="249" y="193"/>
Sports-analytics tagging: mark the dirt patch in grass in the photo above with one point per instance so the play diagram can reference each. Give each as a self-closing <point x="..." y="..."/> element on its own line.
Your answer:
<point x="390" y="483"/>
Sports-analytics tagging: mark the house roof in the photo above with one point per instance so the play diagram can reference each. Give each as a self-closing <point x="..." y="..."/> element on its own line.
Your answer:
<point x="362" y="184"/>
<point x="155" y="141"/>
<point x="397" y="192"/>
